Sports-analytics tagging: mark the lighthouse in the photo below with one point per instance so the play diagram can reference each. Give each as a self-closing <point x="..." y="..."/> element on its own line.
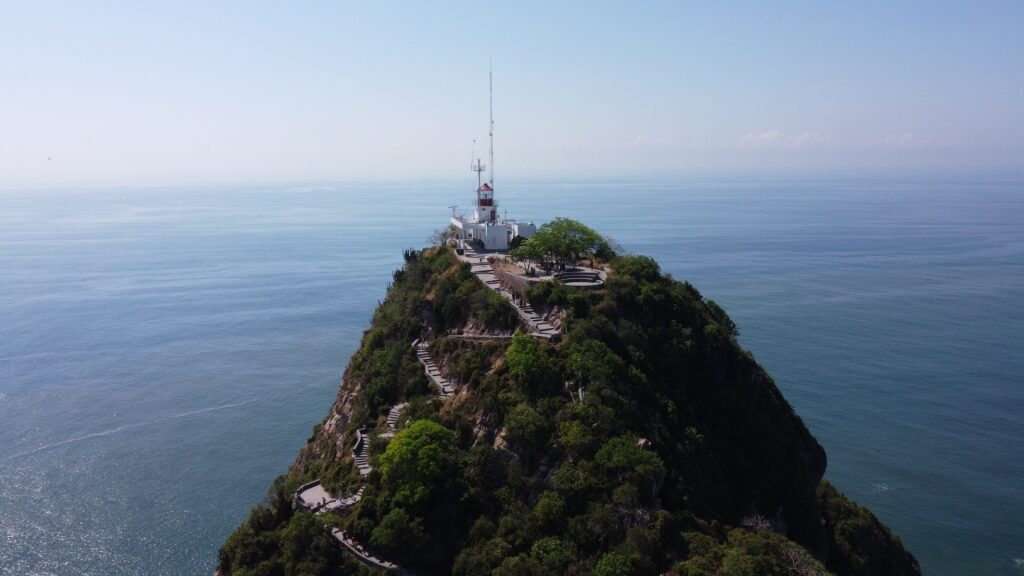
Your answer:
<point x="486" y="229"/>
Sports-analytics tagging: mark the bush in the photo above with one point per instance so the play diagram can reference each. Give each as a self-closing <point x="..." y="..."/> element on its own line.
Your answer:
<point x="531" y="364"/>
<point x="612" y="564"/>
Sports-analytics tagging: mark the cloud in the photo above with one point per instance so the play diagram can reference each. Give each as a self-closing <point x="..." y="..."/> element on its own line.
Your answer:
<point x="809" y="139"/>
<point x="759" y="139"/>
<point x="769" y="139"/>
<point x="911" y="140"/>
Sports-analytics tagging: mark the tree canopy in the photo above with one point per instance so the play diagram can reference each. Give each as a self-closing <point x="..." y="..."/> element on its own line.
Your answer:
<point x="562" y="239"/>
<point x="418" y="462"/>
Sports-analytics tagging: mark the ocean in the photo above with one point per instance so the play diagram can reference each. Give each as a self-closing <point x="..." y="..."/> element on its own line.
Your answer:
<point x="165" y="352"/>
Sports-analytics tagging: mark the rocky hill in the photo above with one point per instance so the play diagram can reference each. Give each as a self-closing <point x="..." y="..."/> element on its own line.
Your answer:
<point x="638" y="439"/>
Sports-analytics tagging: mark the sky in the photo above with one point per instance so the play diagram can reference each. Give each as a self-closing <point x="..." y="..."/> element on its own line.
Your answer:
<point x="155" y="93"/>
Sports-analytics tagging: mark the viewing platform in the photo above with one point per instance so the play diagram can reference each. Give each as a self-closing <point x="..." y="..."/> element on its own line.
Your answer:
<point x="313" y="496"/>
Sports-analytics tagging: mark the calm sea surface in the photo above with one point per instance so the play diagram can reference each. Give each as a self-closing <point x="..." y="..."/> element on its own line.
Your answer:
<point x="164" y="353"/>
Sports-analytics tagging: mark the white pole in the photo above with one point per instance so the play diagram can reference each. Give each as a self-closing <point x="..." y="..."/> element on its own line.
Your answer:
<point x="490" y="86"/>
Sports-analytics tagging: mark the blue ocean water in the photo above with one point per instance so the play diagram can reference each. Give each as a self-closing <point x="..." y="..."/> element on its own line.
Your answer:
<point x="164" y="352"/>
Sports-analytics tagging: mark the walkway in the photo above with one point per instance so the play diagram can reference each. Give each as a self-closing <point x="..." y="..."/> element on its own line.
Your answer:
<point x="479" y="265"/>
<point x="446" y="388"/>
<point x="481" y="337"/>
<point x="361" y="452"/>
<point x="392" y="421"/>
<point x="315" y="497"/>
<point x="361" y="553"/>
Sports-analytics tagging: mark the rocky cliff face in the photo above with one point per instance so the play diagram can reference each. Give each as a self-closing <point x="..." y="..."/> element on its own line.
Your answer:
<point x="643" y="441"/>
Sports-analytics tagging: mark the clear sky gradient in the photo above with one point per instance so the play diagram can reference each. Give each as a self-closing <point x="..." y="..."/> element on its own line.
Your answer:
<point x="96" y="93"/>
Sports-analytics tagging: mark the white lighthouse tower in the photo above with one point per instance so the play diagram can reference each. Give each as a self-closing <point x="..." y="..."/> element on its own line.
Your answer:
<point x="486" y="228"/>
<point x="485" y="209"/>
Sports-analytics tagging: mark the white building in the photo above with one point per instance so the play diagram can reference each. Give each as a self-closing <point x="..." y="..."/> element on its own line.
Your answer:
<point x="485" y="227"/>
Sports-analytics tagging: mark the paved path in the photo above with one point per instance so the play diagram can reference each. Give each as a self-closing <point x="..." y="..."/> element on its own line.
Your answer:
<point x="392" y="421"/>
<point x="361" y="452"/>
<point x="364" y="555"/>
<point x="481" y="337"/>
<point x="446" y="388"/>
<point x="479" y="265"/>
<point x="315" y="497"/>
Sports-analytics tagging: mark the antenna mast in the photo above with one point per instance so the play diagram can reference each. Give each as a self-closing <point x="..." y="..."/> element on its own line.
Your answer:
<point x="478" y="167"/>
<point x="490" y="87"/>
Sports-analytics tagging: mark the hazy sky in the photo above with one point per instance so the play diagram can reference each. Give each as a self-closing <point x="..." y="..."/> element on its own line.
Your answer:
<point x="188" y="92"/>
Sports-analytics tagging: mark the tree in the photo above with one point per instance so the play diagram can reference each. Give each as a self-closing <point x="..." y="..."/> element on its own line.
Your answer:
<point x="529" y="363"/>
<point x="526" y="427"/>
<point x="626" y="462"/>
<point x="530" y="250"/>
<point x="548" y="513"/>
<point x="612" y="564"/>
<point x="419" y="462"/>
<point x="576" y="438"/>
<point x="570" y="240"/>
<point x="593" y="361"/>
<point x="553" y="553"/>
<point x="397" y="530"/>
<point x="442" y="236"/>
<point x="562" y="239"/>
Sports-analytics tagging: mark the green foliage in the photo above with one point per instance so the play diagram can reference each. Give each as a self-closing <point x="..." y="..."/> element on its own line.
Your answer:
<point x="573" y="490"/>
<point x="744" y="553"/>
<point x="622" y="457"/>
<point x="526" y="426"/>
<point x="860" y="543"/>
<point x="298" y="546"/>
<point x="637" y="268"/>
<point x="547" y="294"/>
<point x="418" y="461"/>
<point x="467" y="361"/>
<point x="531" y="364"/>
<point x="562" y="239"/>
<point x="397" y="530"/>
<point x="576" y="438"/>
<point x="722" y="319"/>
<point x="528" y="251"/>
<point x="553" y="553"/>
<point x="548" y="513"/>
<point x="612" y="564"/>
<point x="521" y="565"/>
<point x="592" y="361"/>
<point x="481" y="557"/>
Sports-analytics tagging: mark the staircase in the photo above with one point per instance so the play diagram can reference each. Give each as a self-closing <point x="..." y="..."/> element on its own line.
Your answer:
<point x="362" y="452"/>
<point x="392" y="421"/>
<point x="446" y="388"/>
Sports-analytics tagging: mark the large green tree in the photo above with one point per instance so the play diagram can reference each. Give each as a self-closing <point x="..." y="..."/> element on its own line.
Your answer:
<point x="419" y="462"/>
<point x="562" y="239"/>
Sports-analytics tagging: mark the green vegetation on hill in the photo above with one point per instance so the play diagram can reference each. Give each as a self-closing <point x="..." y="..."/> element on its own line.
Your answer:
<point x="645" y="441"/>
<point x="562" y="240"/>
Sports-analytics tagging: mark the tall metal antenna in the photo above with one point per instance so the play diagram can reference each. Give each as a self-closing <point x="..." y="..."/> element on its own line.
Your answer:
<point x="490" y="87"/>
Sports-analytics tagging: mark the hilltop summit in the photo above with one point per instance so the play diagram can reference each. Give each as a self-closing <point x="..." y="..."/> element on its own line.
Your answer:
<point x="499" y="420"/>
